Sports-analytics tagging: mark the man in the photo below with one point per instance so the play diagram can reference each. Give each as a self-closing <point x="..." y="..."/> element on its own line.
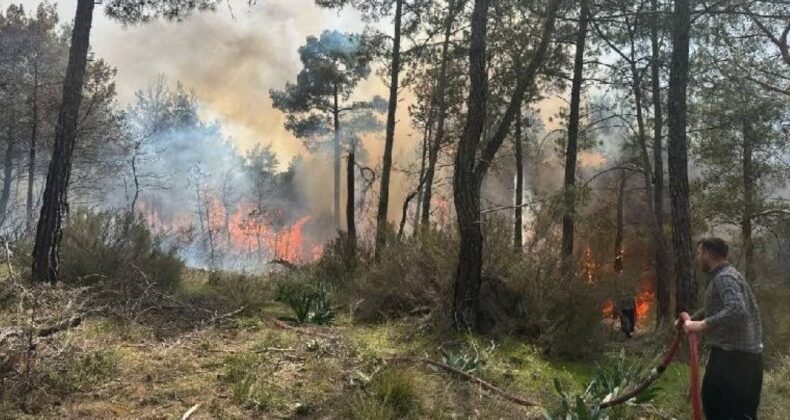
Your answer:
<point x="733" y="330"/>
<point x="625" y="305"/>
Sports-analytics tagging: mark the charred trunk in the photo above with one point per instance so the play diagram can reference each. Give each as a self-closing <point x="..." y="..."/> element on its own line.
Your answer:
<point x="31" y="160"/>
<point x="351" y="226"/>
<point x="618" y="236"/>
<point x="686" y="293"/>
<point x="55" y="200"/>
<point x="136" y="179"/>
<point x="661" y="260"/>
<point x="518" y="241"/>
<point x="386" y="166"/>
<point x="569" y="193"/>
<point x="336" y="159"/>
<point x="8" y="172"/>
<point x="418" y="206"/>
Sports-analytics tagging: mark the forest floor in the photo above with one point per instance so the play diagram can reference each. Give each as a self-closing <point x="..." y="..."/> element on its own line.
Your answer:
<point x="253" y="366"/>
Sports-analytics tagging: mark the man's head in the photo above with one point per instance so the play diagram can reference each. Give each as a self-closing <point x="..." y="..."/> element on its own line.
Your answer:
<point x="711" y="253"/>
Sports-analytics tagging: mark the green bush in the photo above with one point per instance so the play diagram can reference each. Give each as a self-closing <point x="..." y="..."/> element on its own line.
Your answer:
<point x="776" y="393"/>
<point x="78" y="373"/>
<point x="246" y="376"/>
<point x="233" y="290"/>
<point x="411" y="275"/>
<point x="610" y="379"/>
<point x="117" y="246"/>
<point x="391" y="394"/>
<point x="307" y="295"/>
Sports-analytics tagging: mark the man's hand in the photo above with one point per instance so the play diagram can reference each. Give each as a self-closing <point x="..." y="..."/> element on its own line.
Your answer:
<point x="694" y="326"/>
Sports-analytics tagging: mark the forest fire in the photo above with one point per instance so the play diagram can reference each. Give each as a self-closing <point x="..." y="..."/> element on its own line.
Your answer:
<point x="644" y="303"/>
<point x="244" y="233"/>
<point x="643" y="298"/>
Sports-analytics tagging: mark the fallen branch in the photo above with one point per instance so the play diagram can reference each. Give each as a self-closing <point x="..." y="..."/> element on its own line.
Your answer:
<point x="300" y="330"/>
<point x="486" y="385"/>
<point x="66" y="324"/>
<point x="72" y="322"/>
<point x="283" y="262"/>
<point x="219" y="318"/>
<point x="263" y="350"/>
<point x="190" y="412"/>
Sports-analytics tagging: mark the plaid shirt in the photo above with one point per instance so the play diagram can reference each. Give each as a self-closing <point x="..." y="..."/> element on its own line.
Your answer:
<point x="732" y="314"/>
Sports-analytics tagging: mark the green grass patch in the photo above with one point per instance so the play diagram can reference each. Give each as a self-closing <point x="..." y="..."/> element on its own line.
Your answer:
<point x="81" y="372"/>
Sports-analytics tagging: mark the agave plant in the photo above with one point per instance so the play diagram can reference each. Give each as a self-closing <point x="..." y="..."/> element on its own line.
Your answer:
<point x="609" y="381"/>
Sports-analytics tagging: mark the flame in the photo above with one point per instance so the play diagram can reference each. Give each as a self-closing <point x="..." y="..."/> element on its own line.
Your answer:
<point x="644" y="303"/>
<point x="243" y="230"/>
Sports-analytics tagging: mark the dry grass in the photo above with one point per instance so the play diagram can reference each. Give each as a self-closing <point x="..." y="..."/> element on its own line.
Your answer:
<point x="249" y="367"/>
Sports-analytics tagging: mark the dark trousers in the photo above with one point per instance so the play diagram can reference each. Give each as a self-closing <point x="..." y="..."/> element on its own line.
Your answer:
<point x="628" y="321"/>
<point x="732" y="384"/>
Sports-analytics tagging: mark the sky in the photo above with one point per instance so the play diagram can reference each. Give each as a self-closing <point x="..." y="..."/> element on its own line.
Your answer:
<point x="229" y="58"/>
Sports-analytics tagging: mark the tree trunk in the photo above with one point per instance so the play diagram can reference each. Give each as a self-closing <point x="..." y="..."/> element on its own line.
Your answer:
<point x="573" y="137"/>
<point x="518" y="241"/>
<point x="135" y="178"/>
<point x="8" y="172"/>
<point x="441" y="109"/>
<point x="55" y="200"/>
<point x="686" y="296"/>
<point x="661" y="260"/>
<point x="386" y="167"/>
<point x="465" y="183"/>
<point x="470" y="171"/>
<point x="618" y="236"/>
<point x="31" y="161"/>
<point x="748" y="200"/>
<point x="210" y="232"/>
<point x="418" y="206"/>
<point x="336" y="160"/>
<point x="351" y="227"/>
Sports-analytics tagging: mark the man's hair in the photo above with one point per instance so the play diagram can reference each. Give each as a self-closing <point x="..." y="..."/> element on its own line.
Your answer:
<point x="715" y="246"/>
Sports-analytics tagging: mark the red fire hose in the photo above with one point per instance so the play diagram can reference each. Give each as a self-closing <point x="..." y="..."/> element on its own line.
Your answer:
<point x="694" y="390"/>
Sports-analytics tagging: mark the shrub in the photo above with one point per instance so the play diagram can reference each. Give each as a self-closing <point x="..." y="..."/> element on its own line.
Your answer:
<point x="308" y="299"/>
<point x="609" y="380"/>
<point x="776" y="400"/>
<point x="81" y="371"/>
<point x="466" y="360"/>
<point x="391" y="394"/>
<point x="412" y="275"/>
<point x="119" y="246"/>
<point x="245" y="375"/>
<point x="233" y="290"/>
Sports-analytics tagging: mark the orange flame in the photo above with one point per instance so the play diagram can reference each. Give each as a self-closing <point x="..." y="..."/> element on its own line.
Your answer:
<point x="245" y="231"/>
<point x="644" y="303"/>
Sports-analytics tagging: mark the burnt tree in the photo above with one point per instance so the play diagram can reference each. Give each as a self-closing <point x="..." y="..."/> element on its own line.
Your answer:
<point x="518" y="241"/>
<point x="351" y="240"/>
